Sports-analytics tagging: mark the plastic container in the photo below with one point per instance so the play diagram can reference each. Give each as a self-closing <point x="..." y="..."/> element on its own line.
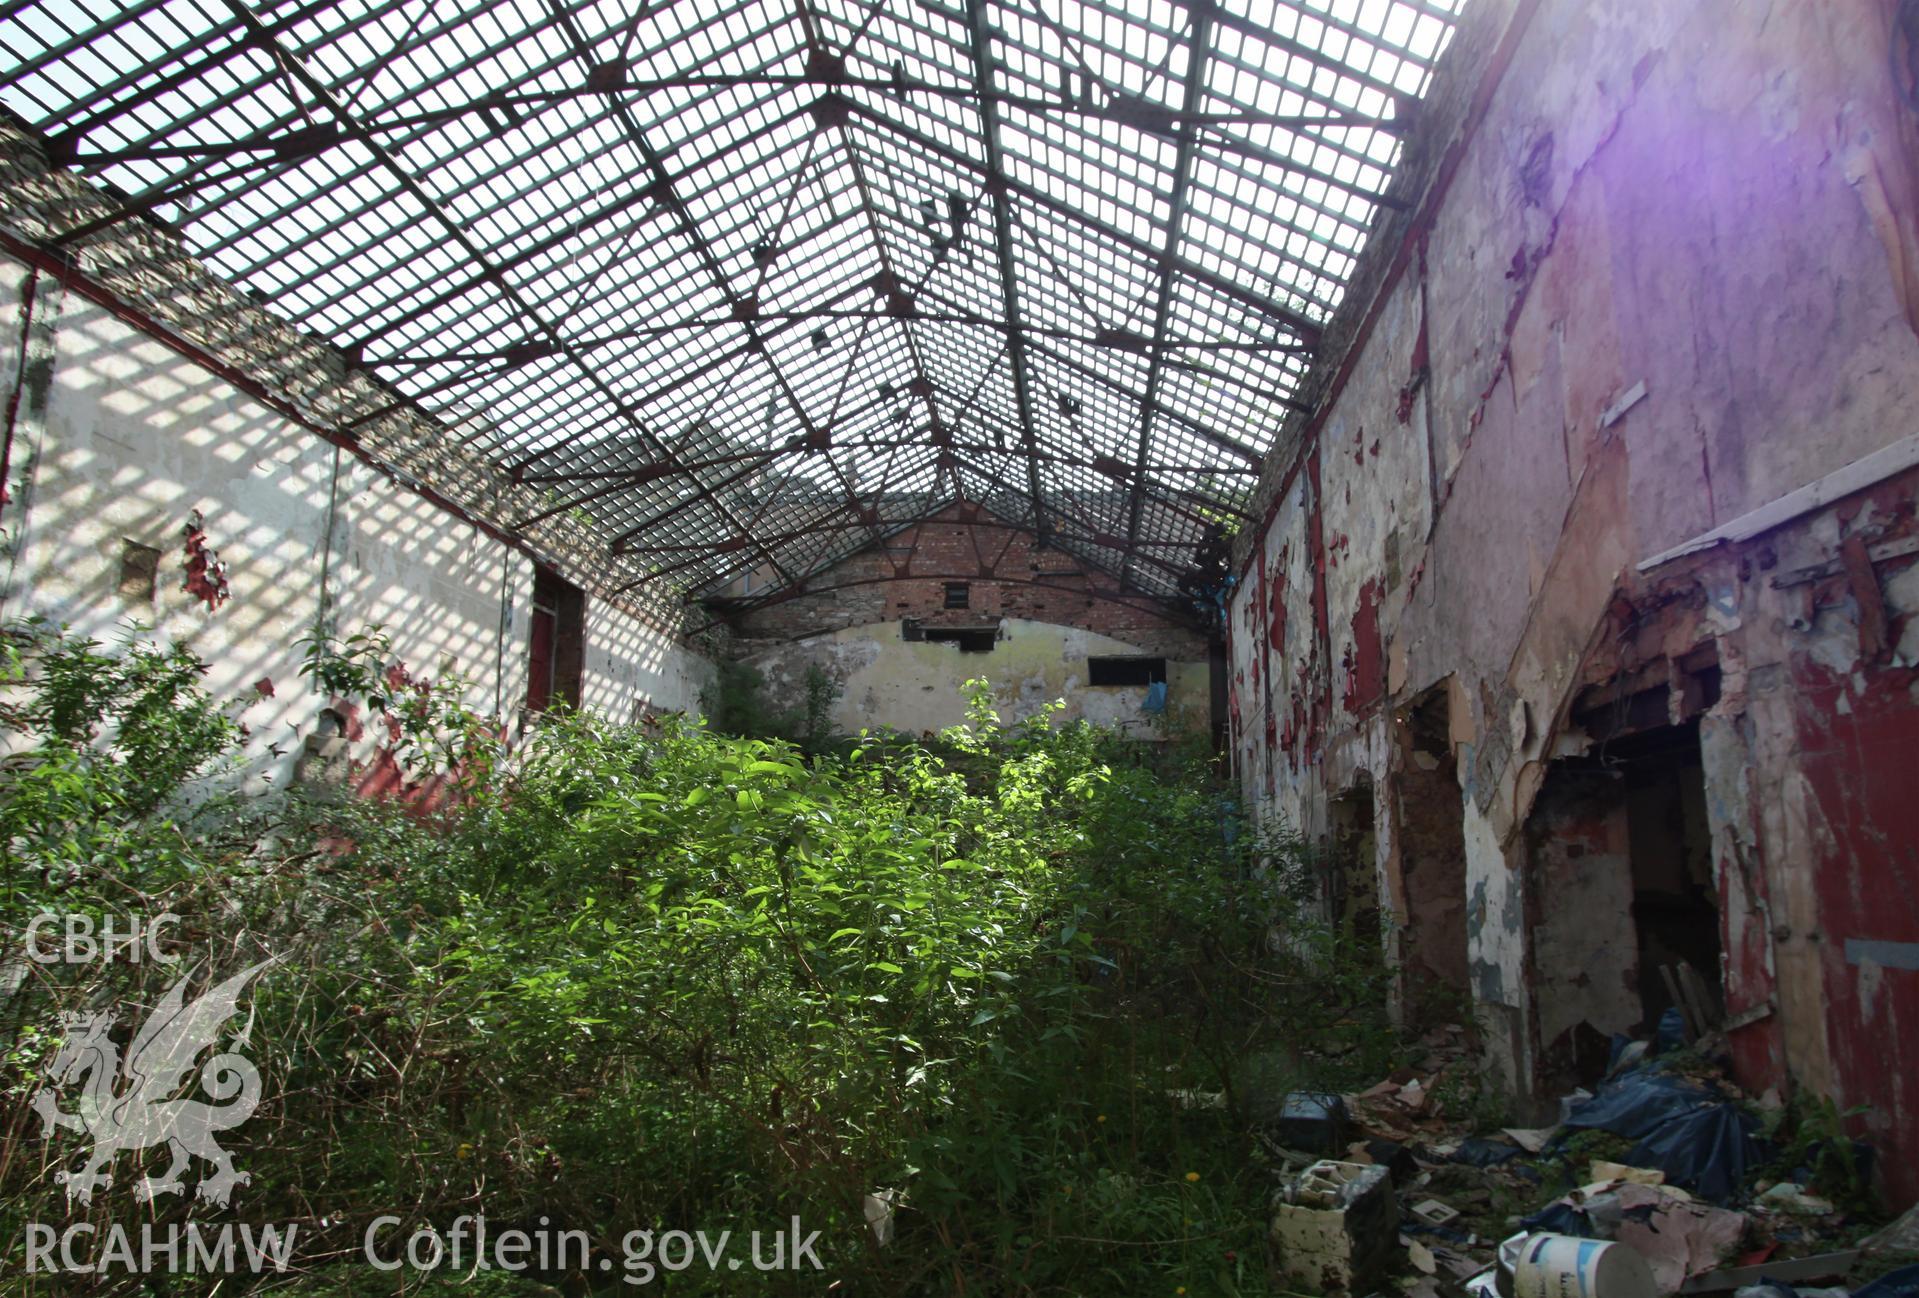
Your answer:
<point x="1566" y="1266"/>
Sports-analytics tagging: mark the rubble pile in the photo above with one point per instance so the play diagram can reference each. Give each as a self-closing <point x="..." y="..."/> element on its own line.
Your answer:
<point x="1661" y="1179"/>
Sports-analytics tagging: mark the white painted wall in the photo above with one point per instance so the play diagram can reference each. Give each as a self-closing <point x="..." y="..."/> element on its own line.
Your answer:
<point x="133" y="438"/>
<point x="915" y="686"/>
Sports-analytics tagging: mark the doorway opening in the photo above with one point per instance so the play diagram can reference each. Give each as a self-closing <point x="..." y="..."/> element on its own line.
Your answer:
<point x="1349" y="877"/>
<point x="1431" y="838"/>
<point x="1621" y="899"/>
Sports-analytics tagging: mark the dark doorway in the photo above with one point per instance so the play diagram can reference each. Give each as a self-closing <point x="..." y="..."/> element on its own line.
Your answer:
<point x="1429" y="811"/>
<point x="556" y="652"/>
<point x="1349" y="878"/>
<point x="1620" y="895"/>
<point x="1675" y="901"/>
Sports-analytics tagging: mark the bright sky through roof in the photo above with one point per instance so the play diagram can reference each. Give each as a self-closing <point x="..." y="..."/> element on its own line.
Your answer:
<point x="861" y="292"/>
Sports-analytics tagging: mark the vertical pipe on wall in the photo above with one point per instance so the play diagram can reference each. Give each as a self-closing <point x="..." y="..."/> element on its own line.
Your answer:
<point x="323" y="617"/>
<point x="499" y="639"/>
<point x="19" y="384"/>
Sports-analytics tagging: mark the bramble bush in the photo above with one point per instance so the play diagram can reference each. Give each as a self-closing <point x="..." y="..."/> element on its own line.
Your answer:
<point x="656" y="976"/>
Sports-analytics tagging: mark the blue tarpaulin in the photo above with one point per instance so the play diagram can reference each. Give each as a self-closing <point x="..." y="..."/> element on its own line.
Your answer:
<point x="1701" y="1142"/>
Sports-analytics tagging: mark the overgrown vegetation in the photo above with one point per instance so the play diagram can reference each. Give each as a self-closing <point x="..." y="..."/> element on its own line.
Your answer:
<point x="660" y="977"/>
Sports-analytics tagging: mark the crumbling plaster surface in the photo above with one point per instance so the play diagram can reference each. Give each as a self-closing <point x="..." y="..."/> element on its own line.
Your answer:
<point x="918" y="686"/>
<point x="132" y="439"/>
<point x="1668" y="283"/>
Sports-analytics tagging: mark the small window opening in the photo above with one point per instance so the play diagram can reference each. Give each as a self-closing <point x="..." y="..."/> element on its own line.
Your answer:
<point x="1125" y="671"/>
<point x="139" y="570"/>
<point x="556" y="654"/>
<point x="959" y="594"/>
<point x="970" y="641"/>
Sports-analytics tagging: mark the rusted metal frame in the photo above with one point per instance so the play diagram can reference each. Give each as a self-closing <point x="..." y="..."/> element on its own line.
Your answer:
<point x="1266" y="36"/>
<point x="278" y="24"/>
<point x="966" y="94"/>
<point x="78" y="40"/>
<point x="98" y="107"/>
<point x="1169" y="122"/>
<point x="591" y="342"/>
<point x="263" y="222"/>
<point x="1206" y="431"/>
<point x="1088" y="535"/>
<point x="1045" y="457"/>
<point x="690" y="231"/>
<point x="631" y="197"/>
<point x="99" y="111"/>
<point x="1337" y="116"/>
<point x="170" y="190"/>
<point x="1198" y="55"/>
<point x="693" y="375"/>
<point x="863" y="186"/>
<point x="611" y="483"/>
<point x="801" y="317"/>
<point x="1304" y="328"/>
<point x="809" y="30"/>
<point x="1166" y="606"/>
<point x="297" y="70"/>
<point x="496" y="205"/>
<point x="623" y="543"/>
<point x="980" y="43"/>
<point x="1330" y="213"/>
<point x="658" y="468"/>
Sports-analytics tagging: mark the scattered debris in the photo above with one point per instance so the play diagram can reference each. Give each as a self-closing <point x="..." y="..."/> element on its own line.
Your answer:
<point x="1788" y="1197"/>
<point x="1434" y="1213"/>
<point x="1672" y="1199"/>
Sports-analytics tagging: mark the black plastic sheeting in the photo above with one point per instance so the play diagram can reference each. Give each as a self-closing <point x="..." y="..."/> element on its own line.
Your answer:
<point x="1477" y="1151"/>
<point x="1702" y="1143"/>
<point x="1903" y="1283"/>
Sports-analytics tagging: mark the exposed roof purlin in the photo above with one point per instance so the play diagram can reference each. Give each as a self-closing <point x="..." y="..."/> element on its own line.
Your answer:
<point x="319" y="91"/>
<point x="1198" y="52"/>
<point x="690" y="231"/>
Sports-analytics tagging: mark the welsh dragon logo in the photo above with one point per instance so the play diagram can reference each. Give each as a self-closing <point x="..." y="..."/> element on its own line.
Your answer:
<point x="138" y="1105"/>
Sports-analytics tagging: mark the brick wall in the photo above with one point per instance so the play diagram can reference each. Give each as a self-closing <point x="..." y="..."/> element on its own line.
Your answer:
<point x="1007" y="573"/>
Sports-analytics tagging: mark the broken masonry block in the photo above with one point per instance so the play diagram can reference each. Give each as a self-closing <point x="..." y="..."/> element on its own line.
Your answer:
<point x="1335" y="1226"/>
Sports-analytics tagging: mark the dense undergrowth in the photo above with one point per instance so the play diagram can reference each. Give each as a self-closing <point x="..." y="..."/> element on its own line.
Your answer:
<point x="1023" y="979"/>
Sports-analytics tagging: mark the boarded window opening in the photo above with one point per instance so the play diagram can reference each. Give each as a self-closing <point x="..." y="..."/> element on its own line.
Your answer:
<point x="969" y="640"/>
<point x="1125" y="671"/>
<point x="959" y="594"/>
<point x="556" y="653"/>
<point x="139" y="571"/>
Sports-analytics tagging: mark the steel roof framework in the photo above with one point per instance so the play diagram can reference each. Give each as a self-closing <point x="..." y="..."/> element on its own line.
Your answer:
<point x="754" y="284"/>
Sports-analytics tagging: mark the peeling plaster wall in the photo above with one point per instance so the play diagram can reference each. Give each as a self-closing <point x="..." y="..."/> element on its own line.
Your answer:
<point x="916" y="686"/>
<point x="1666" y="284"/>
<point x="129" y="438"/>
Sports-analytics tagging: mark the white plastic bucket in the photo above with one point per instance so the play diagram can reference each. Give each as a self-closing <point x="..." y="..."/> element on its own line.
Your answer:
<point x="1565" y="1266"/>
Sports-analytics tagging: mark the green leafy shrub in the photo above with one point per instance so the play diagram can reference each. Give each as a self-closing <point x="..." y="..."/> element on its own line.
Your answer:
<point x="645" y="976"/>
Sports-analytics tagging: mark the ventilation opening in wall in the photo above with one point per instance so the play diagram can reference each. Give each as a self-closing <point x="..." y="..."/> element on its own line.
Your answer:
<point x="971" y="640"/>
<point x="556" y="651"/>
<point x="139" y="571"/>
<point x="959" y="594"/>
<point x="1125" y="671"/>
